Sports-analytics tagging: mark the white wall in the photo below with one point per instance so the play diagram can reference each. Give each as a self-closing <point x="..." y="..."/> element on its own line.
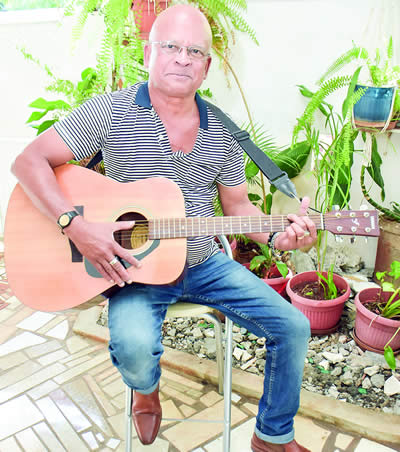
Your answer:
<point x="298" y="40"/>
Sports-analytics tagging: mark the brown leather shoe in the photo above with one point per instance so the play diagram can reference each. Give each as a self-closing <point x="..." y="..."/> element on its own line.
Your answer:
<point x="146" y="415"/>
<point x="258" y="445"/>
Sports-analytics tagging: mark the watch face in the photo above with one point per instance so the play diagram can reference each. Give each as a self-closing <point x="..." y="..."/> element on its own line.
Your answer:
<point x="64" y="220"/>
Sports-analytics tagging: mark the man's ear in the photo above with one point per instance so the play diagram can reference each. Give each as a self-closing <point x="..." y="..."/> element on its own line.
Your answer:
<point x="146" y="55"/>
<point x="207" y="66"/>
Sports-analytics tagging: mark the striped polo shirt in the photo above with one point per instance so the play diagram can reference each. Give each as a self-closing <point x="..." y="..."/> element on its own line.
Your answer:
<point x="134" y="144"/>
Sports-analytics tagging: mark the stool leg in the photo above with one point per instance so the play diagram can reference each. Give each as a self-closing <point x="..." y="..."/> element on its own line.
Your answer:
<point x="128" y="419"/>
<point x="227" y="386"/>
<point x="219" y="349"/>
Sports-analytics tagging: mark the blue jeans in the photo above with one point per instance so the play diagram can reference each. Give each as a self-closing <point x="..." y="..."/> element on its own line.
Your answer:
<point x="136" y="314"/>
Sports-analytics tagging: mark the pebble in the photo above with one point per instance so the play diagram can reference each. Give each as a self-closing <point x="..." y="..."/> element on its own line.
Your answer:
<point x="335" y="366"/>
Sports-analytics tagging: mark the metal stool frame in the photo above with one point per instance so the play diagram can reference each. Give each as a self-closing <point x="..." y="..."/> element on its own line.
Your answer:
<point x="225" y="373"/>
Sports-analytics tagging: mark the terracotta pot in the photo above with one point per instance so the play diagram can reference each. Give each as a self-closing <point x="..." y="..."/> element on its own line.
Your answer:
<point x="388" y="245"/>
<point x="145" y="13"/>
<point x="278" y="284"/>
<point x="371" y="329"/>
<point x="324" y="315"/>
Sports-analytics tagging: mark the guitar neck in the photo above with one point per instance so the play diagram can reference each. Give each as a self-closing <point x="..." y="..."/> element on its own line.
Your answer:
<point x="345" y="222"/>
<point x="168" y="228"/>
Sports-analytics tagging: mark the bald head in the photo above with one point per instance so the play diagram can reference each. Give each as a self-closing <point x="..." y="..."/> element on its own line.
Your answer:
<point x="180" y="17"/>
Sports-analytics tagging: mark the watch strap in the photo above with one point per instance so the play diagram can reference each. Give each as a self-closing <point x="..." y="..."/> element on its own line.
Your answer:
<point x="71" y="215"/>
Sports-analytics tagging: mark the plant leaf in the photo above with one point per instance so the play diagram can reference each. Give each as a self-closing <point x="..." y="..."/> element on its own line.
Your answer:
<point x="389" y="357"/>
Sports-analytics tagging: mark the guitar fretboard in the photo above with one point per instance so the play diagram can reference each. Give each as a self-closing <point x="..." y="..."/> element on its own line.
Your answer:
<point x="167" y="228"/>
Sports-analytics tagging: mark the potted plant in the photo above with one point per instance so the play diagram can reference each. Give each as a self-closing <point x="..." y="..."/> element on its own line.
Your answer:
<point x="379" y="106"/>
<point x="145" y="13"/>
<point x="320" y="296"/>
<point x="271" y="269"/>
<point x="377" y="324"/>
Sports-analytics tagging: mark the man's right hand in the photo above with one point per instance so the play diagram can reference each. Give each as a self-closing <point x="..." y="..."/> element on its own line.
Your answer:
<point x="96" y="242"/>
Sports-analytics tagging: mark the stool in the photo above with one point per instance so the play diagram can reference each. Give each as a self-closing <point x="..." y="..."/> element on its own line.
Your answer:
<point x="224" y="372"/>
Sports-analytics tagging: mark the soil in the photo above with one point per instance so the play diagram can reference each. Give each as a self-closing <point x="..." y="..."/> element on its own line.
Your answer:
<point x="314" y="290"/>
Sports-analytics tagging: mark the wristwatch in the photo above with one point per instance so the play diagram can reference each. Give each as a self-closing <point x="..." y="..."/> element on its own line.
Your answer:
<point x="65" y="219"/>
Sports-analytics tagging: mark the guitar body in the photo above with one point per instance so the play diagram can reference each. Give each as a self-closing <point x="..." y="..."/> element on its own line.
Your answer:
<point x="45" y="270"/>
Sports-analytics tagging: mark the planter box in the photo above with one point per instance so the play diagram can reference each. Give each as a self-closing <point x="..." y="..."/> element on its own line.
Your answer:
<point x="371" y="329"/>
<point x="324" y="315"/>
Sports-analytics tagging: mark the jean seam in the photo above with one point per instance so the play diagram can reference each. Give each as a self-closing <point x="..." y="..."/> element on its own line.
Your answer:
<point x="267" y="334"/>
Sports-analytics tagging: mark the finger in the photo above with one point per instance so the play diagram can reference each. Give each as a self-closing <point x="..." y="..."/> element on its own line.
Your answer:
<point x="305" y="203"/>
<point x="122" y="225"/>
<point x="124" y="254"/>
<point x="300" y="221"/>
<point x="118" y="273"/>
<point x="311" y="227"/>
<point x="103" y="272"/>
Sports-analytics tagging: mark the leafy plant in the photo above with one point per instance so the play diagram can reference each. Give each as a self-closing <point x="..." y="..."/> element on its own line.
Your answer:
<point x="262" y="264"/>
<point x="330" y="289"/>
<point x="391" y="308"/>
<point x="381" y="70"/>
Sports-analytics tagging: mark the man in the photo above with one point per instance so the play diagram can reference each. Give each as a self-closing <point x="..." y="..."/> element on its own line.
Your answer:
<point x="162" y="128"/>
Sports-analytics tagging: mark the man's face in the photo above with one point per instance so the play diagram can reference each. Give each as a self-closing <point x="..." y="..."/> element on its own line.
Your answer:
<point x="177" y="73"/>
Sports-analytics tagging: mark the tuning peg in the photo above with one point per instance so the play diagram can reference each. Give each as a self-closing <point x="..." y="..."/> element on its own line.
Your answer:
<point x="338" y="238"/>
<point x="352" y="239"/>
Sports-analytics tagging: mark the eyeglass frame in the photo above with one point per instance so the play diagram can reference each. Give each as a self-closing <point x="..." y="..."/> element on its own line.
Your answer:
<point x="179" y="49"/>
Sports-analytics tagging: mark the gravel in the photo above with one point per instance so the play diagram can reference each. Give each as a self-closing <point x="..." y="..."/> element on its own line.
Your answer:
<point x="335" y="366"/>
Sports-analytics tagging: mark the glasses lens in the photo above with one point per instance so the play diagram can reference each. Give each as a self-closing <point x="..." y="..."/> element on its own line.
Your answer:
<point x="196" y="52"/>
<point x="169" y="47"/>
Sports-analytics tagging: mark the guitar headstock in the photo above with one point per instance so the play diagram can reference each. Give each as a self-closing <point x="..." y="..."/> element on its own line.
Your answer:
<point x="352" y="222"/>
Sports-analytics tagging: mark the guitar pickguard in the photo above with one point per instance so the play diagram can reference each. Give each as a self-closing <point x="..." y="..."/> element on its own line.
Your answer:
<point x="92" y="271"/>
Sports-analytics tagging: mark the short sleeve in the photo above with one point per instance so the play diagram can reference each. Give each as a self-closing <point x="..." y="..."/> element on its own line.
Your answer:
<point x="232" y="172"/>
<point x="85" y="130"/>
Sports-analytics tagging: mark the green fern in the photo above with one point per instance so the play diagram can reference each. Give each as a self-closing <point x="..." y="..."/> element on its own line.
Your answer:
<point x="343" y="60"/>
<point x="326" y="89"/>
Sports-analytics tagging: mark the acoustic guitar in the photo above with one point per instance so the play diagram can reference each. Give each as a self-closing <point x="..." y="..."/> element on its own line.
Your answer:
<point x="46" y="271"/>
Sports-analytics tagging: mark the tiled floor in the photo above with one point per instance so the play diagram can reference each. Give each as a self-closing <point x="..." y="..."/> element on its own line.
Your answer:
<point x="60" y="392"/>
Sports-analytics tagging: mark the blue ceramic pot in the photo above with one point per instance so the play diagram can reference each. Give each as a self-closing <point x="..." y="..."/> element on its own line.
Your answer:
<point x="375" y="105"/>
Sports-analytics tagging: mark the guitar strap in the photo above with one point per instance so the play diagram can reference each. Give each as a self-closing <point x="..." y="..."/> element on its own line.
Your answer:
<point x="271" y="170"/>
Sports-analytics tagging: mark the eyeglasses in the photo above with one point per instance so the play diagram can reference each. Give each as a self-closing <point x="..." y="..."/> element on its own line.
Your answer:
<point x="171" y="48"/>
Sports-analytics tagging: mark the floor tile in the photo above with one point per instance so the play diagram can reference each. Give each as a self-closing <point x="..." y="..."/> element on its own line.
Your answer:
<point x="76" y="344"/>
<point x="29" y="441"/>
<point x="303" y="427"/>
<point x="35" y="321"/>
<point x="7" y="362"/>
<point x="81" y="394"/>
<point x="91" y="441"/>
<point x="42" y="390"/>
<point x="20" y="342"/>
<point x="70" y="411"/>
<point x="211" y="398"/>
<point x="240" y="439"/>
<point x="60" y="331"/>
<point x="48" y="437"/>
<point x="18" y="373"/>
<point x="61" y="426"/>
<point x="71" y="373"/>
<point x="365" y="445"/>
<point x="50" y="358"/>
<point x="189" y="435"/>
<point x="43" y="349"/>
<point x="9" y="445"/>
<point x="33" y="380"/>
<point x="17" y="415"/>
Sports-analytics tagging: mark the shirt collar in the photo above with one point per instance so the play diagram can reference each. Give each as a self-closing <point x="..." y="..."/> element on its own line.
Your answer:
<point x="143" y="100"/>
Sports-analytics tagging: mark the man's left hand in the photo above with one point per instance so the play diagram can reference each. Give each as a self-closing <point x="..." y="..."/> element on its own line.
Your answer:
<point x="301" y="232"/>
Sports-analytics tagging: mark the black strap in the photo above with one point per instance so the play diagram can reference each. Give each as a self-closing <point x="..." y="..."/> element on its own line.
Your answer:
<point x="270" y="169"/>
<point x="97" y="158"/>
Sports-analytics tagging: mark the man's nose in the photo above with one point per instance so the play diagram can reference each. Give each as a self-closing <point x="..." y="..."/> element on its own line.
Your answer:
<point x="182" y="57"/>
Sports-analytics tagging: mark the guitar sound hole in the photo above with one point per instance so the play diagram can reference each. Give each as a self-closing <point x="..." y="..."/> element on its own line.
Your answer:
<point x="135" y="237"/>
